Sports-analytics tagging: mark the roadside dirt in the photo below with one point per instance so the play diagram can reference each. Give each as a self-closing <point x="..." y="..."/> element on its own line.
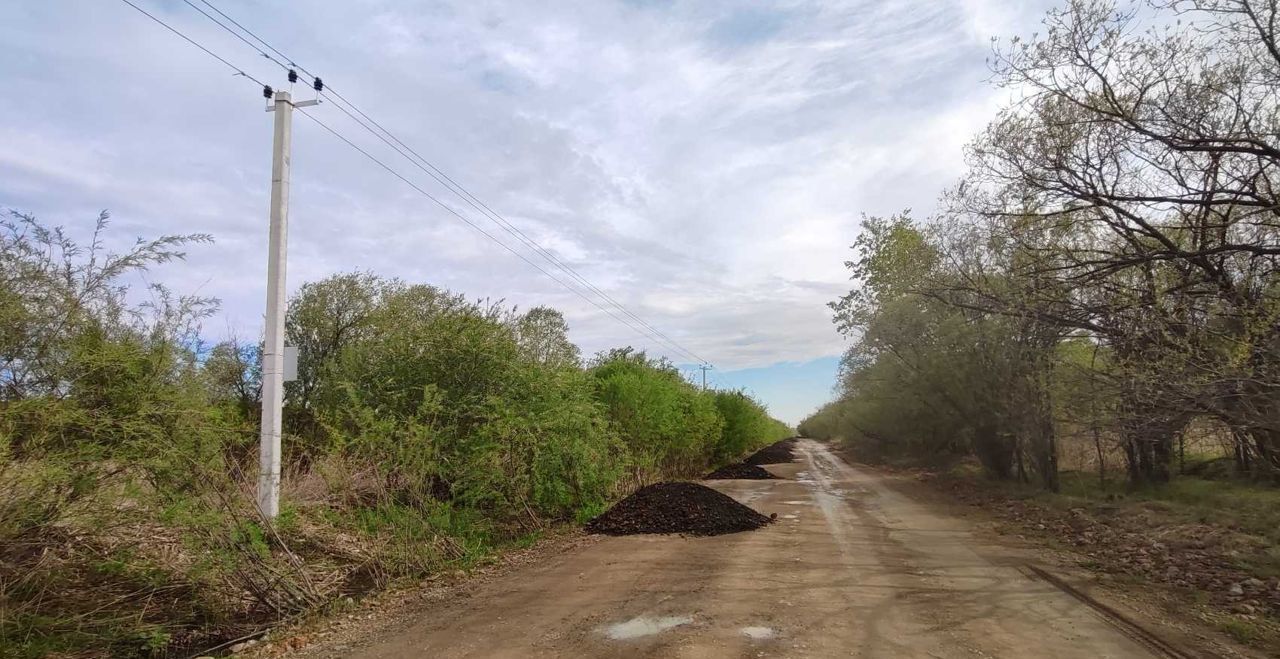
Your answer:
<point x="1174" y="576"/>
<point x="851" y="568"/>
<point x="1195" y="557"/>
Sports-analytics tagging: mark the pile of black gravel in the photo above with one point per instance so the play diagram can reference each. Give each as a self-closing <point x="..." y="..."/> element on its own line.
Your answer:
<point x="686" y="508"/>
<point x="739" y="471"/>
<point x="775" y="453"/>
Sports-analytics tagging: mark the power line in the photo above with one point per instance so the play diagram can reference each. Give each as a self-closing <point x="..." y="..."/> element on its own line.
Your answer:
<point x="661" y="338"/>
<point x="519" y="235"/>
<point x="391" y="140"/>
<point x="250" y="33"/>
<point x="191" y="41"/>
<point x="441" y="177"/>
<point x="466" y="195"/>
<point x="473" y="225"/>
<point x="233" y="32"/>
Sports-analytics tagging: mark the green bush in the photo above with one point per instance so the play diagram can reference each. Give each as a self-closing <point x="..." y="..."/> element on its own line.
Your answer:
<point x="668" y="425"/>
<point x="448" y="407"/>
<point x="747" y="426"/>
<point x="424" y="431"/>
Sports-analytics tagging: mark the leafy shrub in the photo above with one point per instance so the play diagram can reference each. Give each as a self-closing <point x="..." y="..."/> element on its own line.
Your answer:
<point x="747" y="426"/>
<point x="449" y="406"/>
<point x="669" y="427"/>
<point x="424" y="431"/>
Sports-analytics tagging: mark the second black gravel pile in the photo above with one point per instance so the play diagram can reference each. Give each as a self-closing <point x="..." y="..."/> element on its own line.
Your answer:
<point x="739" y="471"/>
<point x="686" y="508"/>
<point x="775" y="453"/>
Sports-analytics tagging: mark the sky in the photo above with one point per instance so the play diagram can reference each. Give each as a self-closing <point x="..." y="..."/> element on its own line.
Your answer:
<point x="706" y="163"/>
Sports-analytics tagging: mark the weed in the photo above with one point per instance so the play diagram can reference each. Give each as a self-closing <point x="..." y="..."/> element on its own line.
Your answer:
<point x="425" y="432"/>
<point x="1241" y="630"/>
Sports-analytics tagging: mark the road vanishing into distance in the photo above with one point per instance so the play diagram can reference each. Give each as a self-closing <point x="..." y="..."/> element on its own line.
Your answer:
<point x="851" y="568"/>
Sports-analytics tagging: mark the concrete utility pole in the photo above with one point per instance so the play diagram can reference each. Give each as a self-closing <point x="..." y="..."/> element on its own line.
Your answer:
<point x="273" y="357"/>
<point x="705" y="368"/>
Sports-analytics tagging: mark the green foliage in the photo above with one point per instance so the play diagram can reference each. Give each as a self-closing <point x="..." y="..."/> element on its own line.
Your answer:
<point x="543" y="337"/>
<point x="1242" y="630"/>
<point x="1098" y="270"/>
<point x="894" y="259"/>
<point x="450" y="402"/>
<point x="747" y="426"/>
<point x="1246" y="507"/>
<point x="668" y="425"/>
<point x="929" y="377"/>
<point x="424" y="431"/>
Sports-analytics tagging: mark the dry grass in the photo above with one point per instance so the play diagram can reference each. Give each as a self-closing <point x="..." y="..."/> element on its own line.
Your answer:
<point x="1203" y="440"/>
<point x="127" y="572"/>
<point x="1210" y="547"/>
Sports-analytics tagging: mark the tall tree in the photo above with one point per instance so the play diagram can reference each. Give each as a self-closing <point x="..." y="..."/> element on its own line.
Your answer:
<point x="543" y="336"/>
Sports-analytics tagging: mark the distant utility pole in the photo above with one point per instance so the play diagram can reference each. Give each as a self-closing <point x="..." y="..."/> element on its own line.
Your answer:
<point x="273" y="352"/>
<point x="705" y="368"/>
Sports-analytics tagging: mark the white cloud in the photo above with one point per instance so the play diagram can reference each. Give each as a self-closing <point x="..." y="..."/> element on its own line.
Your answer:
<point x="704" y="162"/>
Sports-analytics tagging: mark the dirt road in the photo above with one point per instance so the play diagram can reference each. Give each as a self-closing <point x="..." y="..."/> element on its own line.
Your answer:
<point x="850" y="569"/>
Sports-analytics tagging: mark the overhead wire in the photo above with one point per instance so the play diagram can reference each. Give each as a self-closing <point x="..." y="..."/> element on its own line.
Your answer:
<point x="250" y="33"/>
<point x="462" y="217"/>
<point x="193" y="42"/>
<point x="232" y="32"/>
<point x="652" y="332"/>
<point x="515" y="232"/>
<point x="418" y="160"/>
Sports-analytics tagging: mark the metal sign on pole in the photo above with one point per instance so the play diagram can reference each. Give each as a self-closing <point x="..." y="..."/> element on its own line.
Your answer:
<point x="273" y="352"/>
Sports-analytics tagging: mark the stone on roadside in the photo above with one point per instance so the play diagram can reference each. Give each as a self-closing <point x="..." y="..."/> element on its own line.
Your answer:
<point x="243" y="645"/>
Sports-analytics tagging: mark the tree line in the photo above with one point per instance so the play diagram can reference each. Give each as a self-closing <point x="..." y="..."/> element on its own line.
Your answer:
<point x="424" y="430"/>
<point x="1106" y="267"/>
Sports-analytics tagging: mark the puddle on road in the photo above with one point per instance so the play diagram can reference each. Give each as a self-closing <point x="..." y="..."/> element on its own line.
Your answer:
<point x="637" y="627"/>
<point x="790" y="517"/>
<point x="750" y="496"/>
<point x="758" y="633"/>
<point x="796" y="503"/>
